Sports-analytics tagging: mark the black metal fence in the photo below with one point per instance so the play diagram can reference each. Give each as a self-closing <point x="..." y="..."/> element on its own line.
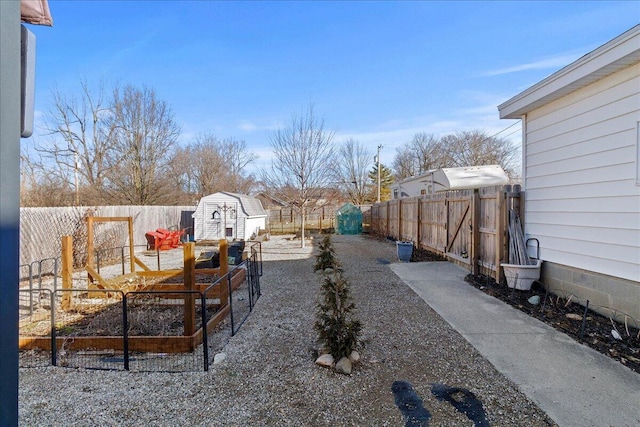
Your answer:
<point x="116" y="330"/>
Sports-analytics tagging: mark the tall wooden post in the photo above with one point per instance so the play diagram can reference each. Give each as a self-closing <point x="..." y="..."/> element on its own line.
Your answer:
<point x="224" y="269"/>
<point x="189" y="284"/>
<point x="224" y="257"/>
<point x="132" y="257"/>
<point x="67" y="271"/>
<point x="475" y="232"/>
<point x="388" y="226"/>
<point x="90" y="248"/>
<point x="418" y="222"/>
<point x="400" y="236"/>
<point x="501" y="233"/>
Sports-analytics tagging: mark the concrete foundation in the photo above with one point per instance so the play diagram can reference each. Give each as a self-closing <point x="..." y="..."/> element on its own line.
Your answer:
<point x="607" y="295"/>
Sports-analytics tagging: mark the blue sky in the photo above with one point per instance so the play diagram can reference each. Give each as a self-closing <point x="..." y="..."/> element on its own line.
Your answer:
<point x="378" y="72"/>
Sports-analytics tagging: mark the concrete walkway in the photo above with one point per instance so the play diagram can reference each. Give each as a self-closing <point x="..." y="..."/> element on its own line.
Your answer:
<point x="573" y="384"/>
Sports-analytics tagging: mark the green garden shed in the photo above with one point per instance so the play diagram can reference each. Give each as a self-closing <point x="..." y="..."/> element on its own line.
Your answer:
<point x="349" y="219"/>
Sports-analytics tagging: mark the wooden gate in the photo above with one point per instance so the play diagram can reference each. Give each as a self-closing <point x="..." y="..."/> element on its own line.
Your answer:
<point x="466" y="226"/>
<point x="459" y="226"/>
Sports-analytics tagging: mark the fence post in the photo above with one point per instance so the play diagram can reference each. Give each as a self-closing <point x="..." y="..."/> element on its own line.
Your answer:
<point x="205" y="331"/>
<point x="387" y="228"/>
<point x="132" y="255"/>
<point x="189" y="285"/>
<point x="501" y="195"/>
<point x="90" y="253"/>
<point x="125" y="332"/>
<point x="400" y="236"/>
<point x="475" y="231"/>
<point x="67" y="271"/>
<point x="418" y="222"/>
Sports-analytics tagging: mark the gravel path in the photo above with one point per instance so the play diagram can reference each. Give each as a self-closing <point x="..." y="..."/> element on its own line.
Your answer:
<point x="269" y="377"/>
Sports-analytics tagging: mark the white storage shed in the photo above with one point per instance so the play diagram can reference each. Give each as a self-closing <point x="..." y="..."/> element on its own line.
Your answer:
<point x="229" y="216"/>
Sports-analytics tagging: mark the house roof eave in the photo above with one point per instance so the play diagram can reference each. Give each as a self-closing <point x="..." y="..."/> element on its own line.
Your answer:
<point x="609" y="58"/>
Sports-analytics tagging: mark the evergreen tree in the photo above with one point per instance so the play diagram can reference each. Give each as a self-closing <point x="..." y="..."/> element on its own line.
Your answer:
<point x="386" y="180"/>
<point x="327" y="256"/>
<point x="336" y="325"/>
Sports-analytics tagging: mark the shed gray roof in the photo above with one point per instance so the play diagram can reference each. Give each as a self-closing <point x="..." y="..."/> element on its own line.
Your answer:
<point x="250" y="205"/>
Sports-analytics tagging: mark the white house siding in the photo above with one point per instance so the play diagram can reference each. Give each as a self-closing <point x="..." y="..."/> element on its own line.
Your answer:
<point x="582" y="198"/>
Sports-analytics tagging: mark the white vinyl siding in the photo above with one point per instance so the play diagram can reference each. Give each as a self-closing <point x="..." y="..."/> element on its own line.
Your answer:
<point x="581" y="169"/>
<point x="638" y="153"/>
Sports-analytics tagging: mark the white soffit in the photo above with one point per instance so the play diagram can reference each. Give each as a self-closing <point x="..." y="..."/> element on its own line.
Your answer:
<point x="613" y="56"/>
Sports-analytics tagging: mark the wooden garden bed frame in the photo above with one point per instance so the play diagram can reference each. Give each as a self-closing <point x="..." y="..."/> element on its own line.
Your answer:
<point x="191" y="338"/>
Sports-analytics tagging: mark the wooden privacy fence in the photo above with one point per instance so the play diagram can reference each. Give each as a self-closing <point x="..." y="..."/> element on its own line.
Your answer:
<point x="469" y="227"/>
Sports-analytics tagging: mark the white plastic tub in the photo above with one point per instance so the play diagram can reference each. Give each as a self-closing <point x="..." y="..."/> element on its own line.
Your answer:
<point x="524" y="274"/>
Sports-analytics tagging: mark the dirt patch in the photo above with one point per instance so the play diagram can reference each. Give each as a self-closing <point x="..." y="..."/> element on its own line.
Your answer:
<point x="616" y="340"/>
<point x="421" y="255"/>
<point x="148" y="314"/>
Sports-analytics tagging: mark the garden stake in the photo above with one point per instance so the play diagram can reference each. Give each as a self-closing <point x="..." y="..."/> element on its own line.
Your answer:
<point x="584" y="319"/>
<point x="568" y="301"/>
<point x="544" y="303"/>
<point x="626" y="327"/>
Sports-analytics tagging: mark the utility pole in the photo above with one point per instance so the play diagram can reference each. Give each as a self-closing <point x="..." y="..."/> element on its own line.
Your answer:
<point x="378" y="160"/>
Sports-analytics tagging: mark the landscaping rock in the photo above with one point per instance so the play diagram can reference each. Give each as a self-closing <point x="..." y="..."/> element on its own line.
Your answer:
<point x="344" y="366"/>
<point x="325" y="360"/>
<point x="219" y="358"/>
<point x="354" y="357"/>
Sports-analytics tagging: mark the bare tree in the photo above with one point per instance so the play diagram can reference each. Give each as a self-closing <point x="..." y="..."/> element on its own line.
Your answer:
<point x="39" y="188"/>
<point x="475" y="148"/>
<point x="429" y="152"/>
<point x="299" y="172"/>
<point x="404" y="163"/>
<point x="351" y="170"/>
<point x="469" y="148"/>
<point x="237" y="157"/>
<point x="143" y="133"/>
<point x="79" y="146"/>
<point x="208" y="165"/>
<point x="425" y="152"/>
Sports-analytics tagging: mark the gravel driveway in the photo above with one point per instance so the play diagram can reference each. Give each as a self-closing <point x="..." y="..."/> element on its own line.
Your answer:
<point x="269" y="377"/>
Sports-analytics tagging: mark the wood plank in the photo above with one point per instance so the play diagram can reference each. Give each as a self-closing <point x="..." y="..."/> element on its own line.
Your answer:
<point x="189" y="284"/>
<point x="475" y="232"/>
<point x="67" y="271"/>
<point x="140" y="264"/>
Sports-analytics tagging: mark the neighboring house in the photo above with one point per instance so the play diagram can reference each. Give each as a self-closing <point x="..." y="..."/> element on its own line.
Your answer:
<point x="270" y="202"/>
<point x="581" y="174"/>
<point x="446" y="179"/>
<point x="228" y="216"/>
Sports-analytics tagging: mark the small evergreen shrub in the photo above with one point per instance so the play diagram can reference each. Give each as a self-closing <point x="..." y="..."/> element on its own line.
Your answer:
<point x="337" y="327"/>
<point x="336" y="324"/>
<point x="327" y="256"/>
